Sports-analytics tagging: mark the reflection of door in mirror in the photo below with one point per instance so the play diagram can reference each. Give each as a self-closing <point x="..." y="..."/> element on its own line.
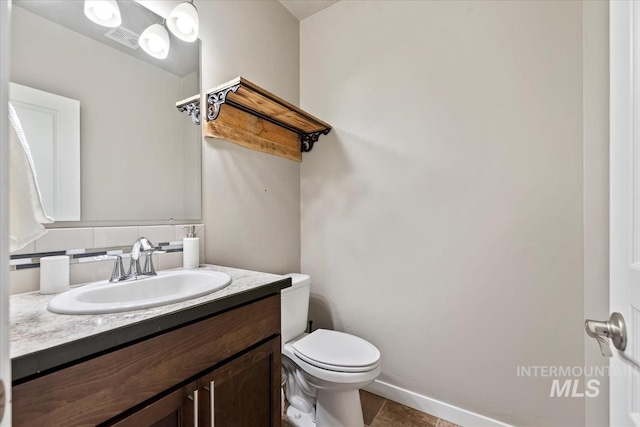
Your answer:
<point x="51" y="124"/>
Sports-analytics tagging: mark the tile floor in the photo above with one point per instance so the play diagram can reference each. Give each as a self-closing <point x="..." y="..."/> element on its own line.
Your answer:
<point x="381" y="412"/>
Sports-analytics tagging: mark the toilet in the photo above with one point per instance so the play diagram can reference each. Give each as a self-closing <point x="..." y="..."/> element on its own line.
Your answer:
<point x="324" y="369"/>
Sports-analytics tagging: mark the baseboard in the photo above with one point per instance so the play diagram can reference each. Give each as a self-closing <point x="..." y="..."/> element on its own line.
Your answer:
<point x="432" y="406"/>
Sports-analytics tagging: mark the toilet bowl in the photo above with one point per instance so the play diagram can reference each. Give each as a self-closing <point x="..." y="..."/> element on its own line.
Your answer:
<point x="324" y="369"/>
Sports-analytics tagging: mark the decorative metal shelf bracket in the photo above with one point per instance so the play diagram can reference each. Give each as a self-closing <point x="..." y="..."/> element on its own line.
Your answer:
<point x="216" y="99"/>
<point x="192" y="109"/>
<point x="308" y="139"/>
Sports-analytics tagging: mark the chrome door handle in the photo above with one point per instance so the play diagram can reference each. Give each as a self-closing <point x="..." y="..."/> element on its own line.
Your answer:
<point x="195" y="407"/>
<point x="211" y="389"/>
<point x="615" y="329"/>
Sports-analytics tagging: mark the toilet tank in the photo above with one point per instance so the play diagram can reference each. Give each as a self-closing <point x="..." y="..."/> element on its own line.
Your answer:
<point x="295" y="306"/>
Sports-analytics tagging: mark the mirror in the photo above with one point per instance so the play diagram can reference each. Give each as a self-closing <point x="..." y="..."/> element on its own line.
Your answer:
<point x="100" y="112"/>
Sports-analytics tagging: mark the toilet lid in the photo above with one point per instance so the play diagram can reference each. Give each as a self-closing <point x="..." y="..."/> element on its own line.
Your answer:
<point x="337" y="351"/>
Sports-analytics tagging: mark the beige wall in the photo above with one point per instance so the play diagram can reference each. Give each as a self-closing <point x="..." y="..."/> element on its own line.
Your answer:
<point x="442" y="219"/>
<point x="250" y="200"/>
<point x="124" y="174"/>
<point x="596" y="191"/>
<point x="191" y="164"/>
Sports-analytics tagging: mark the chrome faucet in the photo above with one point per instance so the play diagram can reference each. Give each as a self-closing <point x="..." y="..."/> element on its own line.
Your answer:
<point x="140" y="246"/>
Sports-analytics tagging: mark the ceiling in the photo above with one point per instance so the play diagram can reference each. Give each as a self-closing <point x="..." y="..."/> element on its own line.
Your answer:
<point x="304" y="8"/>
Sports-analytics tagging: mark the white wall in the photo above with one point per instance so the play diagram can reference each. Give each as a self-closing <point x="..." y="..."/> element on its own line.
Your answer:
<point x="124" y="176"/>
<point x="250" y="200"/>
<point x="442" y="219"/>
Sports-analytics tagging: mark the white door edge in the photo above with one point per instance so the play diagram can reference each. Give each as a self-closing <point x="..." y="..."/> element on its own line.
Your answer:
<point x="5" y="362"/>
<point x="624" y="297"/>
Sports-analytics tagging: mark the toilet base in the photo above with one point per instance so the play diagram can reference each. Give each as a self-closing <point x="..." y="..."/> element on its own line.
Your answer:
<point x="339" y="408"/>
<point x="298" y="418"/>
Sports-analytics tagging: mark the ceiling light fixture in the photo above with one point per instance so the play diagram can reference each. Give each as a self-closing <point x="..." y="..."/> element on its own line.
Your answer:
<point x="183" y="21"/>
<point x="155" y="41"/>
<point x="103" y="12"/>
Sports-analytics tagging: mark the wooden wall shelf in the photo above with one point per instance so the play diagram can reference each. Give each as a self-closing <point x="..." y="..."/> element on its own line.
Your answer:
<point x="244" y="113"/>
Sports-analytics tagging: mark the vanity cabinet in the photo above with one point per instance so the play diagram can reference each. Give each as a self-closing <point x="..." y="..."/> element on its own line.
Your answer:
<point x="173" y="410"/>
<point x="224" y="369"/>
<point x="244" y="394"/>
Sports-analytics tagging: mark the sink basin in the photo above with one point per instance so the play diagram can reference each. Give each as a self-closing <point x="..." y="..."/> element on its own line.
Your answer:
<point x="165" y="288"/>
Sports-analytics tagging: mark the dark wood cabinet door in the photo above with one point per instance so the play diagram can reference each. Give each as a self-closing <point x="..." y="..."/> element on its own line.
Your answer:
<point x="246" y="391"/>
<point x="177" y="409"/>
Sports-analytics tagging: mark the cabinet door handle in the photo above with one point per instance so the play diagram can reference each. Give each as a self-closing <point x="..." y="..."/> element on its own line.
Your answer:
<point x="211" y="389"/>
<point x="195" y="407"/>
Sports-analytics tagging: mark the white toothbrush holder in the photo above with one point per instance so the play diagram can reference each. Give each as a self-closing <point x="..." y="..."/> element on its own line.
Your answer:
<point x="54" y="274"/>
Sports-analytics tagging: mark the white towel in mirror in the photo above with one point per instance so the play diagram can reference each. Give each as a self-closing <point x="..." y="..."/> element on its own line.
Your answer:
<point x="26" y="213"/>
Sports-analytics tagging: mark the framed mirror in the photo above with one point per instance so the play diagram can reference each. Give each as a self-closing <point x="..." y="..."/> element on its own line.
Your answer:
<point x="99" y="113"/>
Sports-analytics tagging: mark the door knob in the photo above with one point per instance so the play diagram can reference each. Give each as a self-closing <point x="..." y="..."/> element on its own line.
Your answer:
<point x="614" y="329"/>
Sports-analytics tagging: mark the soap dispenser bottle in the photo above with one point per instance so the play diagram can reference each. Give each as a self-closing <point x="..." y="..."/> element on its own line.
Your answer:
<point x="191" y="248"/>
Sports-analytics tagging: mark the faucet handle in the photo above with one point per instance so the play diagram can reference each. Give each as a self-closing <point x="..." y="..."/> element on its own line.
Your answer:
<point x="134" y="268"/>
<point x="118" y="269"/>
<point x="148" y="264"/>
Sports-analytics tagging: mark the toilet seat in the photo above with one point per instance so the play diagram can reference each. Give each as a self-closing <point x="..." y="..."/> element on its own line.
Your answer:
<point x="337" y="351"/>
<point x="331" y="379"/>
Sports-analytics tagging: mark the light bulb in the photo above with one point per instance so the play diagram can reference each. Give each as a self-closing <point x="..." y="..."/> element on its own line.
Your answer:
<point x="155" y="44"/>
<point x="183" y="21"/>
<point x="184" y="24"/>
<point x="103" y="11"/>
<point x="155" y="41"/>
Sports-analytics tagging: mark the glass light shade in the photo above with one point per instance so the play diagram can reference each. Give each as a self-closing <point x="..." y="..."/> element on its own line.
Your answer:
<point x="155" y="41"/>
<point x="183" y="22"/>
<point x="103" y="12"/>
